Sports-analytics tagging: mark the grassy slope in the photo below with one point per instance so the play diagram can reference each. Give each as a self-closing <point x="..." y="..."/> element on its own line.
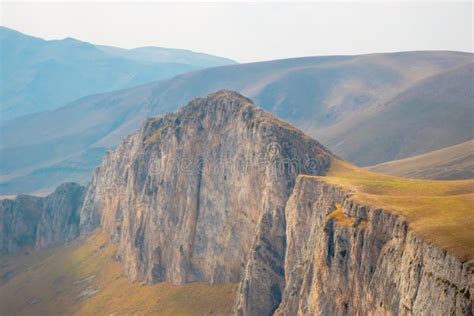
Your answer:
<point x="453" y="162"/>
<point x="50" y="283"/>
<point x="439" y="211"/>
<point x="434" y="113"/>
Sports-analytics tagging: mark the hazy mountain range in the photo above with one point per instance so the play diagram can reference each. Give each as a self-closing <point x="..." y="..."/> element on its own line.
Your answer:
<point x="38" y="75"/>
<point x="368" y="109"/>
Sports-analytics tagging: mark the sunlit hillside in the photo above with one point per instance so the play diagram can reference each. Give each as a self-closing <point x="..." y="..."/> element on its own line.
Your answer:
<point x="85" y="279"/>
<point x="440" y="211"/>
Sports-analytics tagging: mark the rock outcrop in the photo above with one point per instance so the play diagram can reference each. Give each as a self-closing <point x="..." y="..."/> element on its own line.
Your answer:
<point x="40" y="221"/>
<point x="18" y="222"/>
<point x="343" y="258"/>
<point x="60" y="219"/>
<point x="186" y="194"/>
<point x="261" y="288"/>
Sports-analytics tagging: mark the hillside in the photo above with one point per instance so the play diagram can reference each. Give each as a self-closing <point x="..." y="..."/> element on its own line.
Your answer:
<point x="453" y="162"/>
<point x="39" y="75"/>
<point x="314" y="93"/>
<point x="85" y="279"/>
<point x="439" y="211"/>
<point x="432" y="114"/>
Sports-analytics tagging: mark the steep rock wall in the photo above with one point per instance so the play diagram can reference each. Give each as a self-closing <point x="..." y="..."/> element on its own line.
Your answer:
<point x="18" y="222"/>
<point x="40" y="221"/>
<point x="343" y="258"/>
<point x="263" y="282"/>
<point x="60" y="215"/>
<point x="179" y="211"/>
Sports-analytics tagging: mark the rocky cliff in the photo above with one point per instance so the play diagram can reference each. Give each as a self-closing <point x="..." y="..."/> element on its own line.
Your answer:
<point x="222" y="191"/>
<point x="40" y="221"/>
<point x="186" y="194"/>
<point x="18" y="222"/>
<point x="344" y="258"/>
<point x="60" y="215"/>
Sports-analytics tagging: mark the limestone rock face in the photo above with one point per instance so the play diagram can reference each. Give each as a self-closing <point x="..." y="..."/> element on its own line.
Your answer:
<point x="369" y="262"/>
<point x="18" y="222"/>
<point x="186" y="195"/>
<point x="60" y="215"/>
<point x="261" y="289"/>
<point x="40" y="221"/>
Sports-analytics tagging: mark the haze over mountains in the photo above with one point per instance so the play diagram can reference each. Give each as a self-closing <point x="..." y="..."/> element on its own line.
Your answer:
<point x="348" y="102"/>
<point x="40" y="75"/>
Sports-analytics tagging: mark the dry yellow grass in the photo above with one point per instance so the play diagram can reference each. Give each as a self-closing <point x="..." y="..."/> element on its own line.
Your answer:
<point x="340" y="217"/>
<point x="442" y="212"/>
<point x="51" y="283"/>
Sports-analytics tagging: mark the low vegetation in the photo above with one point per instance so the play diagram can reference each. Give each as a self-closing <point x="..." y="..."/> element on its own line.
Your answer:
<point x="340" y="217"/>
<point x="442" y="212"/>
<point x="85" y="279"/>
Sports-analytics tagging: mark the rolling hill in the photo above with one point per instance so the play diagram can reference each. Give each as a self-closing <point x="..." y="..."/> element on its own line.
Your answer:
<point x="432" y="114"/>
<point x="339" y="100"/>
<point x="40" y="75"/>
<point x="453" y="162"/>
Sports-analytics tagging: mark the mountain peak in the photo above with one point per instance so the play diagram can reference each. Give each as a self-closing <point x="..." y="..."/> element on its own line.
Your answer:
<point x="227" y="94"/>
<point x="217" y="165"/>
<point x="220" y="100"/>
<point x="216" y="112"/>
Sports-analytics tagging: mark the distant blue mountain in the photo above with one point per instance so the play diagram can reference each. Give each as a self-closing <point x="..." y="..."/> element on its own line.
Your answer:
<point x="38" y="75"/>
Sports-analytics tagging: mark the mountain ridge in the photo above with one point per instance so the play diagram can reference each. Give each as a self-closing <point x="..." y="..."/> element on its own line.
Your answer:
<point x="297" y="90"/>
<point x="40" y="75"/>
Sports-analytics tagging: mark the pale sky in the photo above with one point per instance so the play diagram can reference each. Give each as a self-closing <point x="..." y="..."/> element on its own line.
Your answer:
<point x="249" y="31"/>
